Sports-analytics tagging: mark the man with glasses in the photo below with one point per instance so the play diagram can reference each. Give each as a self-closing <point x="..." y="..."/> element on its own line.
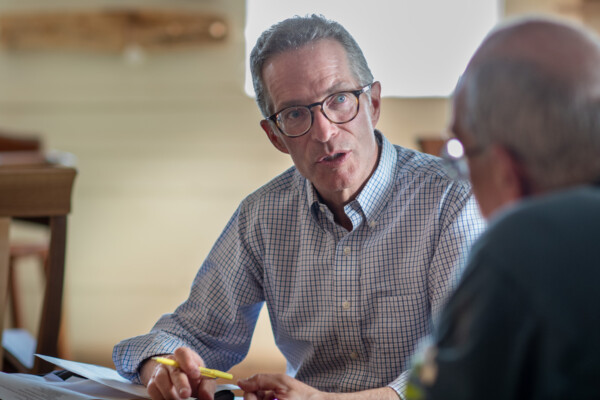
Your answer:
<point x="352" y="249"/>
<point x="524" y="322"/>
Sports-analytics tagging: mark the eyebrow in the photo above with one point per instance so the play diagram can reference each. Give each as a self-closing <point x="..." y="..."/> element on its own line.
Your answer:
<point x="335" y="88"/>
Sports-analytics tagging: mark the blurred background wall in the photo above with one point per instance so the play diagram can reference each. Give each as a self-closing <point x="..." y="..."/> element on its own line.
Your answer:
<point x="167" y="145"/>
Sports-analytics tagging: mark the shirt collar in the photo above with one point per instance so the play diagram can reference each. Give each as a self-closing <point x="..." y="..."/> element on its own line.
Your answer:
<point x="376" y="193"/>
<point x="378" y="190"/>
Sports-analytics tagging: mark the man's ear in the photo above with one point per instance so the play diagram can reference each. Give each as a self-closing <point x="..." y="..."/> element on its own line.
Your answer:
<point x="509" y="175"/>
<point x="375" y="106"/>
<point x="273" y="136"/>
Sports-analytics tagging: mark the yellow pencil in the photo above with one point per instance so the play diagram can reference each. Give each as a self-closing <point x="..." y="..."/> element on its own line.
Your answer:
<point x="206" y="372"/>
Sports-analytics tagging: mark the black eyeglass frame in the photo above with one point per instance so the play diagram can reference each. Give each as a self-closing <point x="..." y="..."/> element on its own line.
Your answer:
<point x="274" y="118"/>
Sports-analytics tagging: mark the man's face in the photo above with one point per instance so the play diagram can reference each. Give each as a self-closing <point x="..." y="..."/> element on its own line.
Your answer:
<point x="337" y="159"/>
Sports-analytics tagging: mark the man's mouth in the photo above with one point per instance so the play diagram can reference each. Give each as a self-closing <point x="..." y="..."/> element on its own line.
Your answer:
<point x="332" y="157"/>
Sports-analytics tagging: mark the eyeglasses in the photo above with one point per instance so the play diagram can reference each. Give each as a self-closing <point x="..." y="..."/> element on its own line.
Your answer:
<point x="455" y="155"/>
<point x="338" y="108"/>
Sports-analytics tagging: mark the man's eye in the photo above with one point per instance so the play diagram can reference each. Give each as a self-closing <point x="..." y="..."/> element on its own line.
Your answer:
<point x="337" y="100"/>
<point x="293" y="114"/>
<point x="340" y="98"/>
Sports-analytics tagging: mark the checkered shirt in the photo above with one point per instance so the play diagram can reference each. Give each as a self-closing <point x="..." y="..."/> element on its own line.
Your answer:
<point x="347" y="308"/>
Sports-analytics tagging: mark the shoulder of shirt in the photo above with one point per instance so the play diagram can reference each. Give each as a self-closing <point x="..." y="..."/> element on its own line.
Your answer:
<point x="287" y="182"/>
<point x="410" y="165"/>
<point x="413" y="164"/>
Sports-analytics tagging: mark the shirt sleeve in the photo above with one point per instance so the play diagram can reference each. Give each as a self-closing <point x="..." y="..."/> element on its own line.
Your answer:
<point x="217" y="319"/>
<point x="460" y="224"/>
<point x="399" y="385"/>
<point x="484" y="335"/>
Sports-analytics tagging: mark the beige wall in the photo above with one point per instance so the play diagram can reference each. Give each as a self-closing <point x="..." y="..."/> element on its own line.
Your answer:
<point x="165" y="150"/>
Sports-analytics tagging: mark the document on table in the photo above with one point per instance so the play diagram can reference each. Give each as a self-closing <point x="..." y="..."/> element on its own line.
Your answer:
<point x="106" y="376"/>
<point x="34" y="387"/>
<point x="101" y="383"/>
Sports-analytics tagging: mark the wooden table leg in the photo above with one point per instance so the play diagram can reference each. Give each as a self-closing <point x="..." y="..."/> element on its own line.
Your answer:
<point x="4" y="231"/>
<point x="52" y="308"/>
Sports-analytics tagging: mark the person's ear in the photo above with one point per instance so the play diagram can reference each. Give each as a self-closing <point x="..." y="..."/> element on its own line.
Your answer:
<point x="509" y="175"/>
<point x="375" y="103"/>
<point x="273" y="136"/>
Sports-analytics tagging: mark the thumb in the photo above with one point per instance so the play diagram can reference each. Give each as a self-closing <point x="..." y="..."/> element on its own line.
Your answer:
<point x="261" y="382"/>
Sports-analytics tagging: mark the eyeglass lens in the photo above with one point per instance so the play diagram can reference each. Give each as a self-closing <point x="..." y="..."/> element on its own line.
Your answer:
<point x="338" y="108"/>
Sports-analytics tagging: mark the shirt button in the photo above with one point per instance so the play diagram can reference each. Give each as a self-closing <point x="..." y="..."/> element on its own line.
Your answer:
<point x="346" y="305"/>
<point x="372" y="224"/>
<point x="354" y="355"/>
<point x="323" y="208"/>
<point x="347" y="250"/>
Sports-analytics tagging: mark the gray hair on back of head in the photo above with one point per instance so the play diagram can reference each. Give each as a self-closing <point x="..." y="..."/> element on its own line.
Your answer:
<point x="551" y="125"/>
<point x="294" y="33"/>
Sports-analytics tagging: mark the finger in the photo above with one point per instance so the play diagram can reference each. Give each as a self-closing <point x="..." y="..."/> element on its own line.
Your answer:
<point x="251" y="396"/>
<point x="249" y="384"/>
<point x="270" y="395"/>
<point x="153" y="391"/>
<point x="262" y="382"/>
<point x="206" y="389"/>
<point x="181" y="383"/>
<point x="260" y="394"/>
<point x="189" y="361"/>
<point x="162" y="383"/>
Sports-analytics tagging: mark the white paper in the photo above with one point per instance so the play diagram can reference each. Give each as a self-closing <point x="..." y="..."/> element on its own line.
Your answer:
<point x="31" y="387"/>
<point x="103" y="375"/>
<point x="95" y="389"/>
<point x="108" y="377"/>
<point x="20" y="344"/>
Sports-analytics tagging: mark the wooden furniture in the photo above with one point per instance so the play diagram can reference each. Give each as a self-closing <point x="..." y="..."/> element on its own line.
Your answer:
<point x="17" y="252"/>
<point x="431" y="145"/>
<point x="111" y="30"/>
<point x="21" y="143"/>
<point x="23" y="149"/>
<point x="36" y="190"/>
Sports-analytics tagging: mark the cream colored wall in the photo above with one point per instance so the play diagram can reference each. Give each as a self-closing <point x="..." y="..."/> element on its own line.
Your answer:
<point x="165" y="150"/>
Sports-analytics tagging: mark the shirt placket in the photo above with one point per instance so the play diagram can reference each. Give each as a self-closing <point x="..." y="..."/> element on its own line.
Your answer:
<point x="347" y="264"/>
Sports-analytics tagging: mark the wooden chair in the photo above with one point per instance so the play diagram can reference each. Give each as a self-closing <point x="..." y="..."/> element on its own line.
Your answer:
<point x="38" y="191"/>
<point x="23" y="149"/>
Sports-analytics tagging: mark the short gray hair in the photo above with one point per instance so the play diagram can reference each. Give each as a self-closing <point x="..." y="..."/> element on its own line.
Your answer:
<point x="294" y="33"/>
<point x="551" y="125"/>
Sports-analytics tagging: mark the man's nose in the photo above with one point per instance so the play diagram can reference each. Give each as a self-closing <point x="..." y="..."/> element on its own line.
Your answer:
<point x="322" y="129"/>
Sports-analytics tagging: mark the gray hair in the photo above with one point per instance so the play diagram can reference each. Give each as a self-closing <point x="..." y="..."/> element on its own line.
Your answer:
<point x="551" y="125"/>
<point x="294" y="33"/>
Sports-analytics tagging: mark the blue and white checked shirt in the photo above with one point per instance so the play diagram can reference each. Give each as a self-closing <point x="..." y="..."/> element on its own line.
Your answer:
<point x="347" y="308"/>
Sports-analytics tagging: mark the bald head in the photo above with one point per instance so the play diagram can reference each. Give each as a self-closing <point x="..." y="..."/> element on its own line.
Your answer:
<point x="564" y="53"/>
<point x="533" y="86"/>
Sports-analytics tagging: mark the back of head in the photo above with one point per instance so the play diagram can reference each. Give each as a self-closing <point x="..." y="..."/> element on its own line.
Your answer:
<point x="533" y="87"/>
<point x="294" y="33"/>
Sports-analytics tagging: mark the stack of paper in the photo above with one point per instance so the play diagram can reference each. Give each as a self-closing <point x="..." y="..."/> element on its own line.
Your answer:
<point x="97" y="383"/>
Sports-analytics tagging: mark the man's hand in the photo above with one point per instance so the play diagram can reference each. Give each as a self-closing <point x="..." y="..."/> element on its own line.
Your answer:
<point x="170" y="383"/>
<point x="277" y="386"/>
<point x="283" y="387"/>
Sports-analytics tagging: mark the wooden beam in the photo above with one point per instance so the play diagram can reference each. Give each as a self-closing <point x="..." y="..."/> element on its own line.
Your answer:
<point x="109" y="30"/>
